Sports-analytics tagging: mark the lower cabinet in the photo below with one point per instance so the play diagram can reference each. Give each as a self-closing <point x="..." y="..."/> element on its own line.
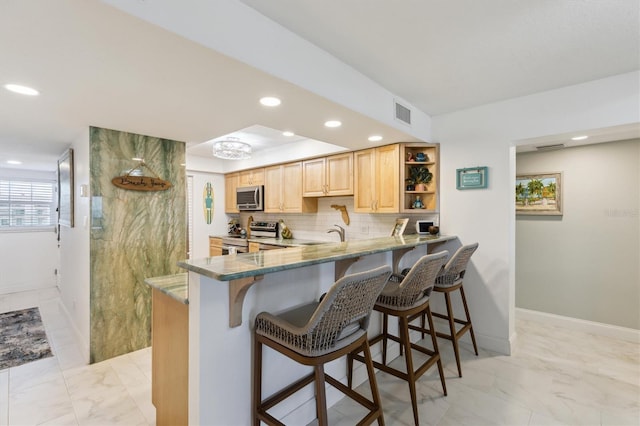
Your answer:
<point x="170" y="360"/>
<point x="215" y="246"/>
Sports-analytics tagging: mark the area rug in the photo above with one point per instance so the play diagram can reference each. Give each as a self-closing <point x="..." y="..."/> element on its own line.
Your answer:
<point x="22" y="338"/>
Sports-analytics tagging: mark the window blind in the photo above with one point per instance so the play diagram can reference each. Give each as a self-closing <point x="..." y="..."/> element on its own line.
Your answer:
<point x="26" y="203"/>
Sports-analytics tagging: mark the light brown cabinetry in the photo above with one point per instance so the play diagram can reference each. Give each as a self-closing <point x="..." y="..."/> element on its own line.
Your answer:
<point x="251" y="177"/>
<point x="254" y="247"/>
<point x="283" y="190"/>
<point x="328" y="176"/>
<point x="377" y="180"/>
<point x="230" y="185"/>
<point x="215" y="246"/>
<point x="170" y="359"/>
<point x="428" y="195"/>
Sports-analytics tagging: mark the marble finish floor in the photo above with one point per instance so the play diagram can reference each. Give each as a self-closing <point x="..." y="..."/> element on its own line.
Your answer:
<point x="555" y="377"/>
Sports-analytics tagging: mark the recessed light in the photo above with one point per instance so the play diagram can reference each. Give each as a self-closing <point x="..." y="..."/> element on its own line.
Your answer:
<point x="579" y="138"/>
<point x="332" y="123"/>
<point x="137" y="159"/>
<point x="288" y="133"/>
<point x="15" y="162"/>
<point x="270" y="101"/>
<point x="23" y="90"/>
<point x="375" y="138"/>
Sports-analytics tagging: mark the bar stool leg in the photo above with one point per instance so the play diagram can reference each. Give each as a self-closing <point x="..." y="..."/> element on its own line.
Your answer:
<point x="385" y="324"/>
<point x="466" y="311"/>
<point x="434" y="341"/>
<point x="375" y="394"/>
<point x="257" y="380"/>
<point x="321" y="399"/>
<point x="411" y="378"/>
<point x="452" y="329"/>
<point x="350" y="370"/>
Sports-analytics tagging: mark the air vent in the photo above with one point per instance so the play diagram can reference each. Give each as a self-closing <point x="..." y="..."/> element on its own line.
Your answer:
<point x="403" y="113"/>
<point x="550" y="147"/>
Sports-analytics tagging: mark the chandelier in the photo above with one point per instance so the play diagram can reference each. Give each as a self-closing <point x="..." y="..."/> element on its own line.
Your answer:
<point x="232" y="149"/>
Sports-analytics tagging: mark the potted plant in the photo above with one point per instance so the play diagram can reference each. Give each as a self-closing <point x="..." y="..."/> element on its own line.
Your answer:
<point x="419" y="177"/>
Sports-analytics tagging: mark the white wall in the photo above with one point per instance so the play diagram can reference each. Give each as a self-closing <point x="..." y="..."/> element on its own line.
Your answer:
<point x="218" y="226"/>
<point x="74" y="248"/>
<point x="485" y="136"/>
<point x="584" y="264"/>
<point x="21" y="250"/>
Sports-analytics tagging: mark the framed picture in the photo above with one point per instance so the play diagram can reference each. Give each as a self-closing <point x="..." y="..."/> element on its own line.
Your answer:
<point x="472" y="178"/>
<point x="398" y="228"/>
<point x="539" y="194"/>
<point x="65" y="189"/>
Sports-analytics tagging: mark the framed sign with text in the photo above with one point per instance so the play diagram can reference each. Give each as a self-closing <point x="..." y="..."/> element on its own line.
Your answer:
<point x="472" y="178"/>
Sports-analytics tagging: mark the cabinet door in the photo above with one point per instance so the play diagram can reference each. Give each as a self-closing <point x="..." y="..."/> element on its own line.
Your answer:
<point x="388" y="182"/>
<point x="254" y="247"/>
<point x="313" y="178"/>
<point x="339" y="174"/>
<point x="364" y="180"/>
<point x="292" y="188"/>
<point x="273" y="189"/>
<point x="230" y="185"/>
<point x="251" y="177"/>
<point x="215" y="246"/>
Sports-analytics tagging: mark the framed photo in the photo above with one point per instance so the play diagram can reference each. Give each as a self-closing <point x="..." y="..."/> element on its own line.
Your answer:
<point x="65" y="189"/>
<point x="539" y="194"/>
<point x="398" y="228"/>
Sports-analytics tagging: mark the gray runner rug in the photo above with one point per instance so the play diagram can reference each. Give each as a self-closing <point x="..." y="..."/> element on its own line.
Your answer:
<point x="22" y="338"/>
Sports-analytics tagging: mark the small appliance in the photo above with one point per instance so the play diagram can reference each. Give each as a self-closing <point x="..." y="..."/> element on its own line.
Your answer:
<point x="250" y="198"/>
<point x="265" y="229"/>
<point x="422" y="227"/>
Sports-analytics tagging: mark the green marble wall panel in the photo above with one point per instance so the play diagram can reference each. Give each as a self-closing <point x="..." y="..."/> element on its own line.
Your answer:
<point x="134" y="235"/>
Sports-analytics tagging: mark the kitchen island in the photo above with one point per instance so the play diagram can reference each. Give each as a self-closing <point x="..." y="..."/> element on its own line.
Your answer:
<point x="222" y="309"/>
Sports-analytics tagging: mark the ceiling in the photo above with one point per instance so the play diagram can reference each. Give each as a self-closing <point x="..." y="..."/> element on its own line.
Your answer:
<point x="444" y="56"/>
<point x="96" y="65"/>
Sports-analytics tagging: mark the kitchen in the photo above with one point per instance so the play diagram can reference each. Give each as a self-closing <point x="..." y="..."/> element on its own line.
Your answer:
<point x="482" y="136"/>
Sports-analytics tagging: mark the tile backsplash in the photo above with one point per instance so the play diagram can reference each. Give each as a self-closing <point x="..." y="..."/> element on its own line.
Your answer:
<point x="314" y="226"/>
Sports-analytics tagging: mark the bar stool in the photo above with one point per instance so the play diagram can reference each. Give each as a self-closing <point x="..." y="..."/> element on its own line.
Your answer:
<point x="449" y="280"/>
<point x="407" y="297"/>
<point x="317" y="333"/>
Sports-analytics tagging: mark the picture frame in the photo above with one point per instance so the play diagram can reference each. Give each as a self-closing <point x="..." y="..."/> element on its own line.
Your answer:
<point x="539" y="194"/>
<point x="399" y="226"/>
<point x="472" y="178"/>
<point x="65" y="189"/>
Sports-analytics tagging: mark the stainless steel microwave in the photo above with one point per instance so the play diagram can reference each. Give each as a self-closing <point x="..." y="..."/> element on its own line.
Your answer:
<point x="250" y="198"/>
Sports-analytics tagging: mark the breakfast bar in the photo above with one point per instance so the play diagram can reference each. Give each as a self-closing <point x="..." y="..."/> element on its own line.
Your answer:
<point x="225" y="293"/>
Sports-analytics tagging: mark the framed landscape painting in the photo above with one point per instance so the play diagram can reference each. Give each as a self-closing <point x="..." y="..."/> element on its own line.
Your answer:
<point x="539" y="194"/>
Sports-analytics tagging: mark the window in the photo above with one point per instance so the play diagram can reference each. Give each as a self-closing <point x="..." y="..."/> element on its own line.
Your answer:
<point x="27" y="204"/>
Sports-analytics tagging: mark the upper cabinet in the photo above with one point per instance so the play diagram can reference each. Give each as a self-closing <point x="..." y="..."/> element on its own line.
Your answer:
<point x="419" y="177"/>
<point x="328" y="176"/>
<point x="377" y="180"/>
<point x="251" y="177"/>
<point x="283" y="190"/>
<point x="230" y="185"/>
<point x="397" y="178"/>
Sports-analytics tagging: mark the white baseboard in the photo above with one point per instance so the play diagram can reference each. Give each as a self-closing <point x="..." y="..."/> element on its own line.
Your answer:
<point x="601" y="329"/>
<point x="484" y="341"/>
<point x="27" y="286"/>
<point x="84" y="345"/>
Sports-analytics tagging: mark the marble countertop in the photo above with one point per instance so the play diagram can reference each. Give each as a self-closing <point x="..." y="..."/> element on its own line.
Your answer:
<point x="175" y="286"/>
<point x="231" y="267"/>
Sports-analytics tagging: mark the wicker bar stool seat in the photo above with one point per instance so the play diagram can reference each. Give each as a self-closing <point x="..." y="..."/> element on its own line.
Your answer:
<point x="407" y="297"/>
<point x="317" y="333"/>
<point x="449" y="280"/>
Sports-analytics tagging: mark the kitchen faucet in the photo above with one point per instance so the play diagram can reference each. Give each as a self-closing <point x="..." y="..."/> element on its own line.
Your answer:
<point x="340" y="232"/>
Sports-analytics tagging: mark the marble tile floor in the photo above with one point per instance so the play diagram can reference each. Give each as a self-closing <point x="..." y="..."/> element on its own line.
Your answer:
<point x="556" y="376"/>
